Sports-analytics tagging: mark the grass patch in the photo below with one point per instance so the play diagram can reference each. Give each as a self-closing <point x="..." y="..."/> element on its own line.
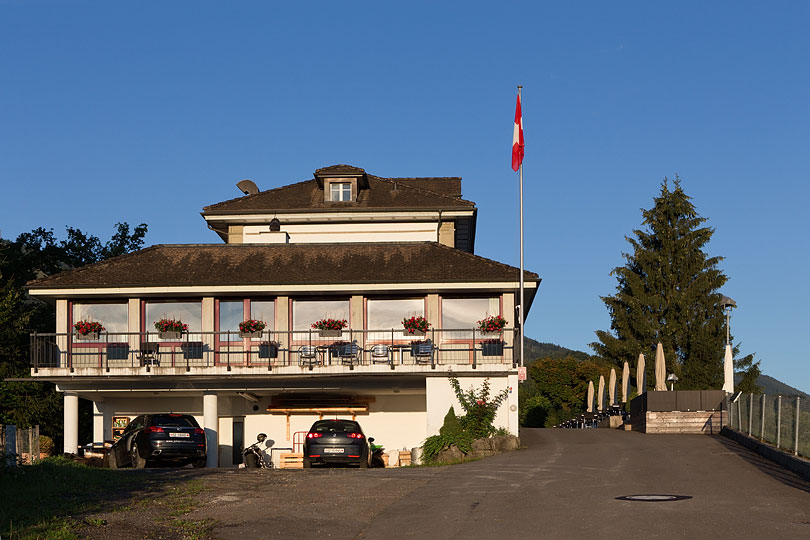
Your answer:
<point x="36" y="501"/>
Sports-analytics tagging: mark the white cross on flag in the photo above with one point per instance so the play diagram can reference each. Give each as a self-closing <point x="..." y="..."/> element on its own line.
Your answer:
<point x="517" y="138"/>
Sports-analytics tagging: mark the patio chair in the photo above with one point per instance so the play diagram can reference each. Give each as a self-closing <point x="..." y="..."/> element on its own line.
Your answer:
<point x="349" y="353"/>
<point x="308" y="355"/>
<point x="381" y="354"/>
<point x="422" y="352"/>
<point x="149" y="354"/>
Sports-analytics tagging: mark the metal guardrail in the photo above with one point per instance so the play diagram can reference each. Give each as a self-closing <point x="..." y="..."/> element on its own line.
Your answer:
<point x="269" y="349"/>
<point x="776" y="420"/>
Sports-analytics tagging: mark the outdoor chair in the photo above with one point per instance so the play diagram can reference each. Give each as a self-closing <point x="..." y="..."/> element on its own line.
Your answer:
<point x="148" y="356"/>
<point x="381" y="354"/>
<point x="422" y="352"/>
<point x="308" y="355"/>
<point x="349" y="353"/>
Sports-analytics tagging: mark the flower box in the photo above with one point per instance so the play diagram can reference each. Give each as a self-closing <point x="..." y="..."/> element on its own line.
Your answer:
<point x="268" y="350"/>
<point x="415" y="333"/>
<point x="490" y="335"/>
<point x="330" y="327"/>
<point x="88" y="330"/>
<point x="492" y="324"/>
<point x="492" y="348"/>
<point x="251" y="328"/>
<point x="117" y="351"/>
<point x="170" y="328"/>
<point x="169" y="335"/>
<point x="245" y="335"/>
<point x="87" y="337"/>
<point x="330" y="333"/>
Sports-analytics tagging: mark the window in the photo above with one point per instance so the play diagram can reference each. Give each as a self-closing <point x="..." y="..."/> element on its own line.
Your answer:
<point x="387" y="314"/>
<point x="187" y="312"/>
<point x="232" y="312"/>
<point x="306" y="312"/>
<point x="340" y="191"/>
<point x="114" y="317"/>
<point x="464" y="313"/>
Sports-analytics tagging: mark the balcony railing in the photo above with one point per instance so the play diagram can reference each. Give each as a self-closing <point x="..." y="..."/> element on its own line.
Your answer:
<point x="308" y="349"/>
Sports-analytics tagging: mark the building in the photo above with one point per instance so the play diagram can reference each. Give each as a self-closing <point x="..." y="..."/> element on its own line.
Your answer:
<point x="345" y="245"/>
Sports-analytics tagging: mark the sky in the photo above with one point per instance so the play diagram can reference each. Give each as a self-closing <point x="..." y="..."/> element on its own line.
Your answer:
<point x="148" y="111"/>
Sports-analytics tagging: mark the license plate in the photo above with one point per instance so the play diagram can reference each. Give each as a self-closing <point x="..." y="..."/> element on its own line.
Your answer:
<point x="178" y="435"/>
<point x="333" y="450"/>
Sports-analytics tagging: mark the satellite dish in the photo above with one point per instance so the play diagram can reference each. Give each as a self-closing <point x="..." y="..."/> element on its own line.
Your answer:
<point x="247" y="187"/>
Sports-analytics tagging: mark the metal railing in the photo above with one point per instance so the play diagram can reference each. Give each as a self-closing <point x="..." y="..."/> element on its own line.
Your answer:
<point x="776" y="420"/>
<point x="109" y="351"/>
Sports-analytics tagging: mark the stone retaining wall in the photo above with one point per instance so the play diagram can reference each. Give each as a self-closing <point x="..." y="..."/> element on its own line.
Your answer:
<point x="696" y="422"/>
<point x="481" y="448"/>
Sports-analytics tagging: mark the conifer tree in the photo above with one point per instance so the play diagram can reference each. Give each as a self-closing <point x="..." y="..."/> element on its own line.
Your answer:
<point x="668" y="291"/>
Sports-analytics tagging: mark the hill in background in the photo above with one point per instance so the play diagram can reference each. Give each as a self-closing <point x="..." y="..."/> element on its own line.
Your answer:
<point x="534" y="350"/>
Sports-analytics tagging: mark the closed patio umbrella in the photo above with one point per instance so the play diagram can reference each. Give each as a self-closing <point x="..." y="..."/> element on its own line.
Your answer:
<point x="612" y="387"/>
<point x="660" y="368"/>
<point x="589" y="403"/>
<point x="626" y="382"/>
<point x="641" y="374"/>
<point x="600" y="401"/>
<point x="728" y="371"/>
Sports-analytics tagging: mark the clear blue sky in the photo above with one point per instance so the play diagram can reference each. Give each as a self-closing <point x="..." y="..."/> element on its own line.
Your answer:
<point x="147" y="111"/>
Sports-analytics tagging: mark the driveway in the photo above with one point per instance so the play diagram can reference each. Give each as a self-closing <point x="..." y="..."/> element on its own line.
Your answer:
<point x="563" y="485"/>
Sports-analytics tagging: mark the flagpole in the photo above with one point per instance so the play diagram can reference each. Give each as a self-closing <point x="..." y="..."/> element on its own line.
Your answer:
<point x="520" y="312"/>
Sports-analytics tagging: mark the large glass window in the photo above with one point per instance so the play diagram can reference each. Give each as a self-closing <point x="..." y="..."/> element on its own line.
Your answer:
<point x="187" y="312"/>
<point x="306" y="312"/>
<point x="387" y="314"/>
<point x="264" y="310"/>
<point x="114" y="317"/>
<point x="464" y="313"/>
<point x="231" y="313"/>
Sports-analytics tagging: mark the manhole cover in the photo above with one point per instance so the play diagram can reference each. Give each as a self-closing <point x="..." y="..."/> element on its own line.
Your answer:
<point x="653" y="498"/>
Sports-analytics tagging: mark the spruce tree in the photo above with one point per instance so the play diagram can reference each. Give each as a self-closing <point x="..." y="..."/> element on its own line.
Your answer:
<point x="668" y="291"/>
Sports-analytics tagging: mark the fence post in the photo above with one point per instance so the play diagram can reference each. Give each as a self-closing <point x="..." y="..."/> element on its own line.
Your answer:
<point x="778" y="421"/>
<point x="750" y="412"/>
<point x="796" y="439"/>
<point x="762" y="424"/>
<point x="36" y="441"/>
<point x="739" y="415"/>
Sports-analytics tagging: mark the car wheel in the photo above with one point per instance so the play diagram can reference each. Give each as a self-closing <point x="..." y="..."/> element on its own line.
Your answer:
<point x="251" y="461"/>
<point x="307" y="463"/>
<point x="198" y="464"/>
<point x="137" y="461"/>
<point x="112" y="461"/>
<point x="364" y="464"/>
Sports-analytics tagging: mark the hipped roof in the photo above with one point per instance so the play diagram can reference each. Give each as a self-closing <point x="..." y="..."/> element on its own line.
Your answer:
<point x="285" y="264"/>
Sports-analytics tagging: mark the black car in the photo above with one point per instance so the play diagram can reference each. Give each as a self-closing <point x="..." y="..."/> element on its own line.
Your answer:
<point x="153" y="438"/>
<point x="337" y="441"/>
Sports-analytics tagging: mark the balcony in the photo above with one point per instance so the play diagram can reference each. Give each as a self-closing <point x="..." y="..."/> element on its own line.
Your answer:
<point x="292" y="352"/>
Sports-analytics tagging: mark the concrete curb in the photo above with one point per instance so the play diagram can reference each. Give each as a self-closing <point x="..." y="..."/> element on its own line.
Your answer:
<point x="793" y="463"/>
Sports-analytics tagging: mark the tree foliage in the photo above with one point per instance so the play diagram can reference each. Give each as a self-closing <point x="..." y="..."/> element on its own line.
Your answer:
<point x="33" y="255"/>
<point x="668" y="291"/>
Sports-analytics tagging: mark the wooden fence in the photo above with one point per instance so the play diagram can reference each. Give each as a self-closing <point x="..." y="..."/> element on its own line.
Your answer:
<point x="20" y="446"/>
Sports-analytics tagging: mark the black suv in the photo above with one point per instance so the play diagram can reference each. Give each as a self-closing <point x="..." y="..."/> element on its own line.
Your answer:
<point x="337" y="441"/>
<point x="152" y="438"/>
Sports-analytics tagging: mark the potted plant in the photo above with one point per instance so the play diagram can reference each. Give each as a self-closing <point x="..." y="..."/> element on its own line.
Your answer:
<point x="492" y="325"/>
<point x="492" y="347"/>
<point x="251" y="328"/>
<point x="268" y="349"/>
<point x="415" y="326"/>
<point x="330" y="327"/>
<point x="170" y="328"/>
<point x="88" y="329"/>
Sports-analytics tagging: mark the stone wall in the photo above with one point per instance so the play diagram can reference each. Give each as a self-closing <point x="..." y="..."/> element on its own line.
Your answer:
<point x="481" y="448"/>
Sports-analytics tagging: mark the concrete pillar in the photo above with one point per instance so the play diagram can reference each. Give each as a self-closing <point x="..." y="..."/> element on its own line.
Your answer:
<point x="207" y="323"/>
<point x="62" y="328"/>
<point x="283" y="320"/>
<point x="508" y="308"/>
<point x="356" y="318"/>
<point x="211" y="427"/>
<point x="98" y="422"/>
<point x="71" y="420"/>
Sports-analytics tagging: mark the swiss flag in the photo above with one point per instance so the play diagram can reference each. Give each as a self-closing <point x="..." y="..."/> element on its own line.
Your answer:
<point x="517" y="138"/>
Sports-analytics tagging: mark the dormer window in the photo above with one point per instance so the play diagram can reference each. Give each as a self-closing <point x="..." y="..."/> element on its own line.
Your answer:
<point x="340" y="191"/>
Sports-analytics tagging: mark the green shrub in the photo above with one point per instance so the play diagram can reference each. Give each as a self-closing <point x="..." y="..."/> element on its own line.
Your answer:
<point x="46" y="445"/>
<point x="478" y="407"/>
<point x="450" y="434"/>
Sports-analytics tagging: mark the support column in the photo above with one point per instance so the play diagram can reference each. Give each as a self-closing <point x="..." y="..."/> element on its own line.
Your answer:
<point x="98" y="422"/>
<point x="71" y="420"/>
<point x="211" y="426"/>
<point x="512" y="404"/>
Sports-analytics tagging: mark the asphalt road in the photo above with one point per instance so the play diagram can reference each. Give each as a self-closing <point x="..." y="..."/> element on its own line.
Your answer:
<point x="563" y="485"/>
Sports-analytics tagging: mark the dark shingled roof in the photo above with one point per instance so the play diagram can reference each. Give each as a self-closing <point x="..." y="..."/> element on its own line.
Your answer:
<point x="285" y="264"/>
<point x="412" y="193"/>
